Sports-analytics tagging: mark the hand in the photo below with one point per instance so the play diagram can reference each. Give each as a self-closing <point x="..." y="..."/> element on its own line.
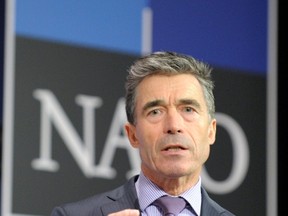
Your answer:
<point x="126" y="212"/>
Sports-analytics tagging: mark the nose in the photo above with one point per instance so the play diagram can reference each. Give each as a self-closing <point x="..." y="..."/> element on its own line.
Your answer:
<point x="173" y="123"/>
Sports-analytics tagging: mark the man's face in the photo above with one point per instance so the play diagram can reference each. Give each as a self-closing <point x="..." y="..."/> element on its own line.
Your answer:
<point x="173" y="131"/>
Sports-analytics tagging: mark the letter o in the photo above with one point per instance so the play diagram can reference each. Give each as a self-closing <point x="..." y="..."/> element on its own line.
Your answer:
<point x="240" y="158"/>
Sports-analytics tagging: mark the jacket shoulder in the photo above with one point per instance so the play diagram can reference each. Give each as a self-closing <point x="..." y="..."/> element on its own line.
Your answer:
<point x="92" y="205"/>
<point x="212" y="208"/>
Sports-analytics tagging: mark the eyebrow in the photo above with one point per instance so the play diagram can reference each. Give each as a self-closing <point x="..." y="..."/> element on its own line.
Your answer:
<point x="190" y="102"/>
<point x="155" y="103"/>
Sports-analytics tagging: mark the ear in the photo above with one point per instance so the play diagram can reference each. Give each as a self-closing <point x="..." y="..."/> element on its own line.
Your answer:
<point x="131" y="134"/>
<point x="212" y="131"/>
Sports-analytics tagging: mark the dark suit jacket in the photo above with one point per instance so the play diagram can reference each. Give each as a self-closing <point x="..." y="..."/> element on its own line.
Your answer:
<point x="125" y="197"/>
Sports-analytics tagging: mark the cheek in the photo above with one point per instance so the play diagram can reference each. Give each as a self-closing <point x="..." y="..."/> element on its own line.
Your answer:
<point x="147" y="133"/>
<point x="206" y="133"/>
<point x="202" y="142"/>
<point x="206" y="151"/>
<point x="147" y="141"/>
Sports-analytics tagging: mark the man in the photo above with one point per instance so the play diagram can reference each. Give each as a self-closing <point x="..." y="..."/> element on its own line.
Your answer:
<point x="170" y="110"/>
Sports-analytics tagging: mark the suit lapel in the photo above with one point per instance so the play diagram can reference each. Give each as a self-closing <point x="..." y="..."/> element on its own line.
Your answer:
<point x="208" y="207"/>
<point x="123" y="199"/>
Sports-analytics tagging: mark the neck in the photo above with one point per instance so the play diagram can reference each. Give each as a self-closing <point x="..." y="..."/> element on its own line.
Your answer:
<point x="174" y="186"/>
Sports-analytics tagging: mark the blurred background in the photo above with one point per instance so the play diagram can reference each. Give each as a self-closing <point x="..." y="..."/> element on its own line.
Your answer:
<point x="62" y="56"/>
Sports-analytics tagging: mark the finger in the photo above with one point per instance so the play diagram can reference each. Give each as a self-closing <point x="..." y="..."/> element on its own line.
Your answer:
<point x="126" y="212"/>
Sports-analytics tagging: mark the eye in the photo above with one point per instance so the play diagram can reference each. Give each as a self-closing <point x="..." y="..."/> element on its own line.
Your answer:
<point x="188" y="109"/>
<point x="154" y="112"/>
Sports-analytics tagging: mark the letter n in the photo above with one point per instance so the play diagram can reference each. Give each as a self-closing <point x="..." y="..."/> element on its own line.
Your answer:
<point x="52" y="113"/>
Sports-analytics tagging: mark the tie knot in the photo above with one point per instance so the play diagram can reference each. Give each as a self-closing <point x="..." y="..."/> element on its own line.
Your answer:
<point x="171" y="205"/>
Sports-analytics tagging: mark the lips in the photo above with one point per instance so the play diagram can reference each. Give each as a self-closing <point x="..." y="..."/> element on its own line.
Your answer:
<point x="173" y="148"/>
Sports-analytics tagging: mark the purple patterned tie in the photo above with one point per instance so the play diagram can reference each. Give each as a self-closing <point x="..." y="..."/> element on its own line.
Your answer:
<point x="170" y="205"/>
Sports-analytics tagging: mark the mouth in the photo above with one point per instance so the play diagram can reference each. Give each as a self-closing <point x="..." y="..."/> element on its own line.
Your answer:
<point x="174" y="148"/>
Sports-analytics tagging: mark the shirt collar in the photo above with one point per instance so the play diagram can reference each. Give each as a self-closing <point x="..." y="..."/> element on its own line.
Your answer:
<point x="148" y="192"/>
<point x="193" y="197"/>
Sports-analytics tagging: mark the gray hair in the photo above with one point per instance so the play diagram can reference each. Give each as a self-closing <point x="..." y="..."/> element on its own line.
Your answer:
<point x="167" y="63"/>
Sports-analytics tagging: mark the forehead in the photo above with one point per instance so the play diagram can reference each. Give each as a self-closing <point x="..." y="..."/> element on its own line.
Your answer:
<point x="169" y="88"/>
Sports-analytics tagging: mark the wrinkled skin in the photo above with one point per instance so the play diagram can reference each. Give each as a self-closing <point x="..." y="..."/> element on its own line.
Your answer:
<point x="173" y="130"/>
